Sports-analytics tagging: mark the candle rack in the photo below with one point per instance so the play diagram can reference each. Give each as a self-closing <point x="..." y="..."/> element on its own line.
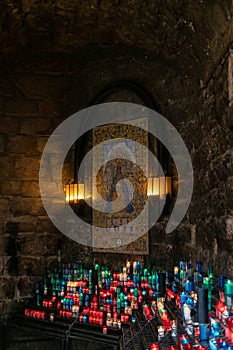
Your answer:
<point x="147" y="309"/>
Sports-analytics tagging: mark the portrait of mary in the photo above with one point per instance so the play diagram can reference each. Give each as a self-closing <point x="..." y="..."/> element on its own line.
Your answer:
<point x="117" y="170"/>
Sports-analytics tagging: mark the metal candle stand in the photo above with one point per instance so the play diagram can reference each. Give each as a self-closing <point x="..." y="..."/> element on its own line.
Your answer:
<point x="142" y="334"/>
<point x="145" y="309"/>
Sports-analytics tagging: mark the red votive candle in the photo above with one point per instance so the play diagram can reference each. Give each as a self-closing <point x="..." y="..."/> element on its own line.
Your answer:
<point x="27" y="312"/>
<point x="151" y="292"/>
<point x="105" y="329"/>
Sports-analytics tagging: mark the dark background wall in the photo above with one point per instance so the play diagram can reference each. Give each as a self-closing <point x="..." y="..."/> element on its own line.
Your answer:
<point x="55" y="57"/>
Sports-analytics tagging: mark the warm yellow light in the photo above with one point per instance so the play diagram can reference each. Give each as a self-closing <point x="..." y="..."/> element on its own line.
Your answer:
<point x="162" y="187"/>
<point x="67" y="191"/>
<point x="153" y="186"/>
<point x="74" y="192"/>
<point x="156" y="186"/>
<point x="169" y="185"/>
<point x="159" y="186"/>
<point x="80" y="191"/>
<point x="149" y="186"/>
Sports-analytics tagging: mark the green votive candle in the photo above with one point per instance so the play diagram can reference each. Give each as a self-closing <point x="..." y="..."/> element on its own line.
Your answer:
<point x="229" y="287"/>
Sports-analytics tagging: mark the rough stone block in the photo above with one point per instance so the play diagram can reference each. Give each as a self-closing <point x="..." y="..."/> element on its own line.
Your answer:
<point x="11" y="227"/>
<point x="36" y="244"/>
<point x="41" y="142"/>
<point x="36" y="126"/>
<point x="6" y="307"/>
<point x="26" y="266"/>
<point x="31" y="266"/>
<point x="12" y="266"/>
<point x="23" y="144"/>
<point x="26" y="286"/>
<point x="30" y="189"/>
<point x="3" y="143"/>
<point x="27" y="206"/>
<point x="161" y="255"/>
<point x="20" y="106"/>
<point x="53" y="187"/>
<point x="27" y="168"/>
<point x="157" y="234"/>
<point x="7" y="168"/>
<point x="2" y="246"/>
<point x="4" y="206"/>
<point x="57" y="145"/>
<point x="7" y="288"/>
<point x="49" y="107"/>
<point x="11" y="246"/>
<point x="45" y="225"/>
<point x="52" y="263"/>
<point x="70" y="248"/>
<point x="20" y="224"/>
<point x="182" y="236"/>
<point x="11" y="187"/>
<point x="9" y="125"/>
<point x="1" y="266"/>
<point x="35" y="85"/>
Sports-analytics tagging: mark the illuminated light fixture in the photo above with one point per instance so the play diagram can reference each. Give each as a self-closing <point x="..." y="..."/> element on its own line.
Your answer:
<point x="169" y="186"/>
<point x="159" y="186"/>
<point x="153" y="186"/>
<point x="74" y="193"/>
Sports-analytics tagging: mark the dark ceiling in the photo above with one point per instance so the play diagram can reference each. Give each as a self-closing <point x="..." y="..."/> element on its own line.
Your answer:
<point x="194" y="33"/>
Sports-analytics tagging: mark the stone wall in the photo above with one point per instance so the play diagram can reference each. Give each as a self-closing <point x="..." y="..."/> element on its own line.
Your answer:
<point x="206" y="232"/>
<point x="45" y="78"/>
<point x="212" y="205"/>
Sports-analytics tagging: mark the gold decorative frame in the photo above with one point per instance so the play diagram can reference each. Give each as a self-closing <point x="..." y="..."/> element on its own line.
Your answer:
<point x="109" y="135"/>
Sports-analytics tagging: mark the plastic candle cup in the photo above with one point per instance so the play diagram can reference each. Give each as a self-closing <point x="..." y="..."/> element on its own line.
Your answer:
<point x="176" y="270"/>
<point x="229" y="287"/>
<point x="181" y="276"/>
<point x="160" y="332"/>
<point x="27" y="312"/>
<point x="206" y="281"/>
<point x="211" y="271"/>
<point x="133" y="319"/>
<point x="174" y="328"/>
<point x="221" y="281"/>
<point x="203" y="332"/>
<point x="154" y="346"/>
